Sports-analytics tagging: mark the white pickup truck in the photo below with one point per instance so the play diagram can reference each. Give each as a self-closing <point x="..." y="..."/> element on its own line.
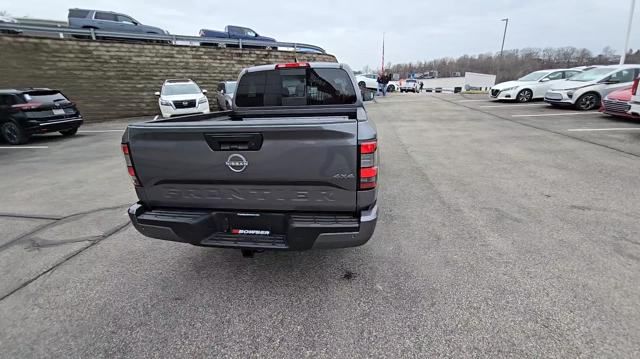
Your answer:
<point x="410" y="85"/>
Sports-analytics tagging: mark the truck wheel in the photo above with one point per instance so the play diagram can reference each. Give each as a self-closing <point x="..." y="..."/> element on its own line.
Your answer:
<point x="71" y="132"/>
<point x="13" y="133"/>
<point x="361" y="84"/>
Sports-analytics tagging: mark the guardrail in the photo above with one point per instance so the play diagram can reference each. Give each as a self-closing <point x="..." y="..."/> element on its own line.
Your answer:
<point x="93" y="34"/>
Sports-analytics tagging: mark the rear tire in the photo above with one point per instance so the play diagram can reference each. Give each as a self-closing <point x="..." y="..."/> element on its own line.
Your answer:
<point x="13" y="133"/>
<point x="588" y="101"/>
<point x="525" y="95"/>
<point x="361" y="84"/>
<point x="71" y="132"/>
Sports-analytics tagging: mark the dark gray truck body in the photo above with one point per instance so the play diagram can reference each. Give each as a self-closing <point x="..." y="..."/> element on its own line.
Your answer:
<point x="261" y="177"/>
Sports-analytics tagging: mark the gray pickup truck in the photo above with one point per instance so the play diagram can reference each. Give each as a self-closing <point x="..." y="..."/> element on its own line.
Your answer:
<point x="109" y="21"/>
<point x="292" y="167"/>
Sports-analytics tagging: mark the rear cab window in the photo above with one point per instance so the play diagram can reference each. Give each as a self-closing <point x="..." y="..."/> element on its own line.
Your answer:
<point x="79" y="14"/>
<point x="295" y="87"/>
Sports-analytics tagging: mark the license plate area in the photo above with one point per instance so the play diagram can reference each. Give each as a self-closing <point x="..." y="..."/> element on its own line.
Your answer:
<point x="249" y="230"/>
<point x="58" y="111"/>
<point x="255" y="224"/>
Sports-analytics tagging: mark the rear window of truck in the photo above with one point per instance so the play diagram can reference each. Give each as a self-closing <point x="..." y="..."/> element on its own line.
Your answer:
<point x="295" y="87"/>
<point x="80" y="14"/>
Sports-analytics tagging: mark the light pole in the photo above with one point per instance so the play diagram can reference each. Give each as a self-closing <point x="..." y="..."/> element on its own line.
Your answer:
<point x="504" y="36"/>
<point x="626" y="41"/>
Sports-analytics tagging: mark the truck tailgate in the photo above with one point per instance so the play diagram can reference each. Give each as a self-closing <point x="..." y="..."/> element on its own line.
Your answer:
<point x="267" y="164"/>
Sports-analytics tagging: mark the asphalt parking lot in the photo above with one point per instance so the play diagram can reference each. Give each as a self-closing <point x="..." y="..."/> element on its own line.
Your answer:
<point x="506" y="230"/>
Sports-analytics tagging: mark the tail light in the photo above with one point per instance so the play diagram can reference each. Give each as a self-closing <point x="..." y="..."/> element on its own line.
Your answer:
<point x="368" y="164"/>
<point x="130" y="169"/>
<point x="634" y="89"/>
<point x="292" y="65"/>
<point x="27" y="106"/>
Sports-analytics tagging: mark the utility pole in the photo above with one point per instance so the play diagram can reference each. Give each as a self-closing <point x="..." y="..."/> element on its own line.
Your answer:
<point x="382" y="67"/>
<point x="504" y="36"/>
<point x="626" y="41"/>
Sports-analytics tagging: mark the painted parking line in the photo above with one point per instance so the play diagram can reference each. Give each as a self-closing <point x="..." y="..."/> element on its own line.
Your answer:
<point x="473" y="101"/>
<point x="99" y="131"/>
<point x="23" y="147"/>
<point x="512" y="106"/>
<point x="604" y="129"/>
<point x="558" y="114"/>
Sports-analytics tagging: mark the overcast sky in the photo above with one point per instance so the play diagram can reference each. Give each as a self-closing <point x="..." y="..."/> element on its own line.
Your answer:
<point x="352" y="30"/>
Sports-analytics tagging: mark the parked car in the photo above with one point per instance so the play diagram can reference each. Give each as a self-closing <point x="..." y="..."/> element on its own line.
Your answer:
<point x="369" y="81"/>
<point x="617" y="103"/>
<point x="532" y="86"/>
<point x="410" y="85"/>
<point x="27" y="112"/>
<point x="109" y="21"/>
<point x="586" y="90"/>
<point x="224" y="96"/>
<point x="182" y="97"/>
<point x="393" y="86"/>
<point x="635" y="99"/>
<point x="5" y="19"/>
<point x="305" y="178"/>
<point x="236" y="32"/>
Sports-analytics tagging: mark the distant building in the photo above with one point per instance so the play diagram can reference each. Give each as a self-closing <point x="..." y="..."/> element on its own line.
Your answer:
<point x="470" y="81"/>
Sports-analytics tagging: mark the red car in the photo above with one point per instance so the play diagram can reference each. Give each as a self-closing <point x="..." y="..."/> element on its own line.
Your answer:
<point x="618" y="103"/>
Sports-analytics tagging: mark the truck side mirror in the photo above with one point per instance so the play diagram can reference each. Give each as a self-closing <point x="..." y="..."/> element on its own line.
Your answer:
<point x="367" y="95"/>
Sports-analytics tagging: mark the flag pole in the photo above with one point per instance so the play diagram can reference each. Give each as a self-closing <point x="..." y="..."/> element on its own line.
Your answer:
<point x="382" y="53"/>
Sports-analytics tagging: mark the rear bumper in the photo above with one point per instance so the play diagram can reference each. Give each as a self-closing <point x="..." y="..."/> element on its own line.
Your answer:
<point x="54" y="126"/>
<point x="300" y="231"/>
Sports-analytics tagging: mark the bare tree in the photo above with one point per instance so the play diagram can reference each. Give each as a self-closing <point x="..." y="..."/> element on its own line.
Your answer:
<point x="513" y="63"/>
<point x="608" y="53"/>
<point x="583" y="56"/>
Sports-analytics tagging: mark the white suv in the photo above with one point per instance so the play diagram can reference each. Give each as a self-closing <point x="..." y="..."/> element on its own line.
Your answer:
<point x="182" y="97"/>
<point x="586" y="90"/>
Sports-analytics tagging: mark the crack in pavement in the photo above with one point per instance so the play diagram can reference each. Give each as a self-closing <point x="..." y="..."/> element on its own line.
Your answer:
<point x="30" y="216"/>
<point x="37" y="243"/>
<point x="54" y="223"/>
<point x="102" y="237"/>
